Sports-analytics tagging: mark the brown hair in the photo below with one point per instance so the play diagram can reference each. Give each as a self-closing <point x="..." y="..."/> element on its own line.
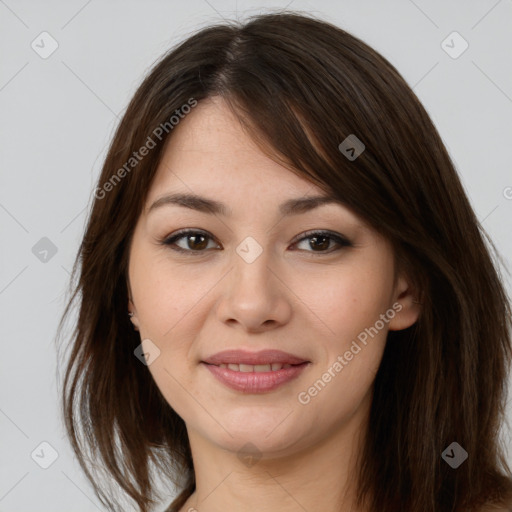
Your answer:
<point x="302" y="86"/>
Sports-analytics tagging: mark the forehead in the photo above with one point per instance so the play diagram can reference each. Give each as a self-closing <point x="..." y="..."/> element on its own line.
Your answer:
<point x="209" y="150"/>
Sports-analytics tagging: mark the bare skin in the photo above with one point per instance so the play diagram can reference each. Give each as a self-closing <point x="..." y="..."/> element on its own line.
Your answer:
<point x="311" y="298"/>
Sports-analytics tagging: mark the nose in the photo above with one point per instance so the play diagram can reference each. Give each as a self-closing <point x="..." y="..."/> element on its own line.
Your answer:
<point x="254" y="297"/>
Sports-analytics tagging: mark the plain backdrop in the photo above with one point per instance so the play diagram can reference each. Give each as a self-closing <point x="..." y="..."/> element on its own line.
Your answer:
<point x="58" y="113"/>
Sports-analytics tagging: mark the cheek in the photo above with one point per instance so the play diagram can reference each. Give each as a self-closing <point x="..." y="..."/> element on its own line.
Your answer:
<point x="164" y="301"/>
<point x="350" y="306"/>
<point x="171" y="309"/>
<point x="163" y="296"/>
<point x="361" y="324"/>
<point x="342" y="380"/>
<point x="349" y="301"/>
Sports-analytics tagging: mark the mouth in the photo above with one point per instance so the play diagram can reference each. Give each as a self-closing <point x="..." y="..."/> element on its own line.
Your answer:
<point x="259" y="360"/>
<point x="257" y="368"/>
<point x="259" y="372"/>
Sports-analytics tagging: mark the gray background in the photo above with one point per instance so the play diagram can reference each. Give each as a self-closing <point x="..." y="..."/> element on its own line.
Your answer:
<point x="58" y="115"/>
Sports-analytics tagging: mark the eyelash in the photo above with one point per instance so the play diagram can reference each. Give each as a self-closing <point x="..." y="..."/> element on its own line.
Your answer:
<point x="339" y="239"/>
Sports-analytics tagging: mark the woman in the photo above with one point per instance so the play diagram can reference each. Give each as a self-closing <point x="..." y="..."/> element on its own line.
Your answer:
<point x="285" y="299"/>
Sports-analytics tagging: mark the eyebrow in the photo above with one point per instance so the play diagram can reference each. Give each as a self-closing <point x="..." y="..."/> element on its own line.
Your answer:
<point x="205" y="205"/>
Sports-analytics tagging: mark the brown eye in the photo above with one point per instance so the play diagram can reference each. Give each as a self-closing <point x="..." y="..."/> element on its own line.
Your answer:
<point x="320" y="242"/>
<point x="193" y="241"/>
<point x="196" y="242"/>
<point x="189" y="241"/>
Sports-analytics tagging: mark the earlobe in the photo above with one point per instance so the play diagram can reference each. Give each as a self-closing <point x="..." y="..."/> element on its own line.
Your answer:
<point x="133" y="315"/>
<point x="408" y="307"/>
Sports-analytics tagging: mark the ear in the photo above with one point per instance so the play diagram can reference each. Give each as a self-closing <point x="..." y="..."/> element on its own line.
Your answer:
<point x="132" y="313"/>
<point x="407" y="307"/>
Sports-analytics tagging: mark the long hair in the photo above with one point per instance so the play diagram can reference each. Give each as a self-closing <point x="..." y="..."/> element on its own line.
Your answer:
<point x="302" y="86"/>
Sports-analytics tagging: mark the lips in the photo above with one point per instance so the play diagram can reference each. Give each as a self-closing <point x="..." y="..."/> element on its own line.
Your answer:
<point x="264" y="357"/>
<point x="259" y="368"/>
<point x="255" y="372"/>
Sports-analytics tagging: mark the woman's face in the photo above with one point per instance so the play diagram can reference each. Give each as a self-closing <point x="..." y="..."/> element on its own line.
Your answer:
<point x="256" y="278"/>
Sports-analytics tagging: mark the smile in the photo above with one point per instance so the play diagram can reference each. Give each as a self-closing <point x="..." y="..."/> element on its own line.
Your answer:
<point x="261" y="378"/>
<point x="254" y="367"/>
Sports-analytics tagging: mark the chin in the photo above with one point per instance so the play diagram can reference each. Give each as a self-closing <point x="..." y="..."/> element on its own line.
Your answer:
<point x="270" y="437"/>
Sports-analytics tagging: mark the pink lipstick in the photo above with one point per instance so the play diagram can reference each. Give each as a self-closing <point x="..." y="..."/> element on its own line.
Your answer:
<point x="255" y="372"/>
